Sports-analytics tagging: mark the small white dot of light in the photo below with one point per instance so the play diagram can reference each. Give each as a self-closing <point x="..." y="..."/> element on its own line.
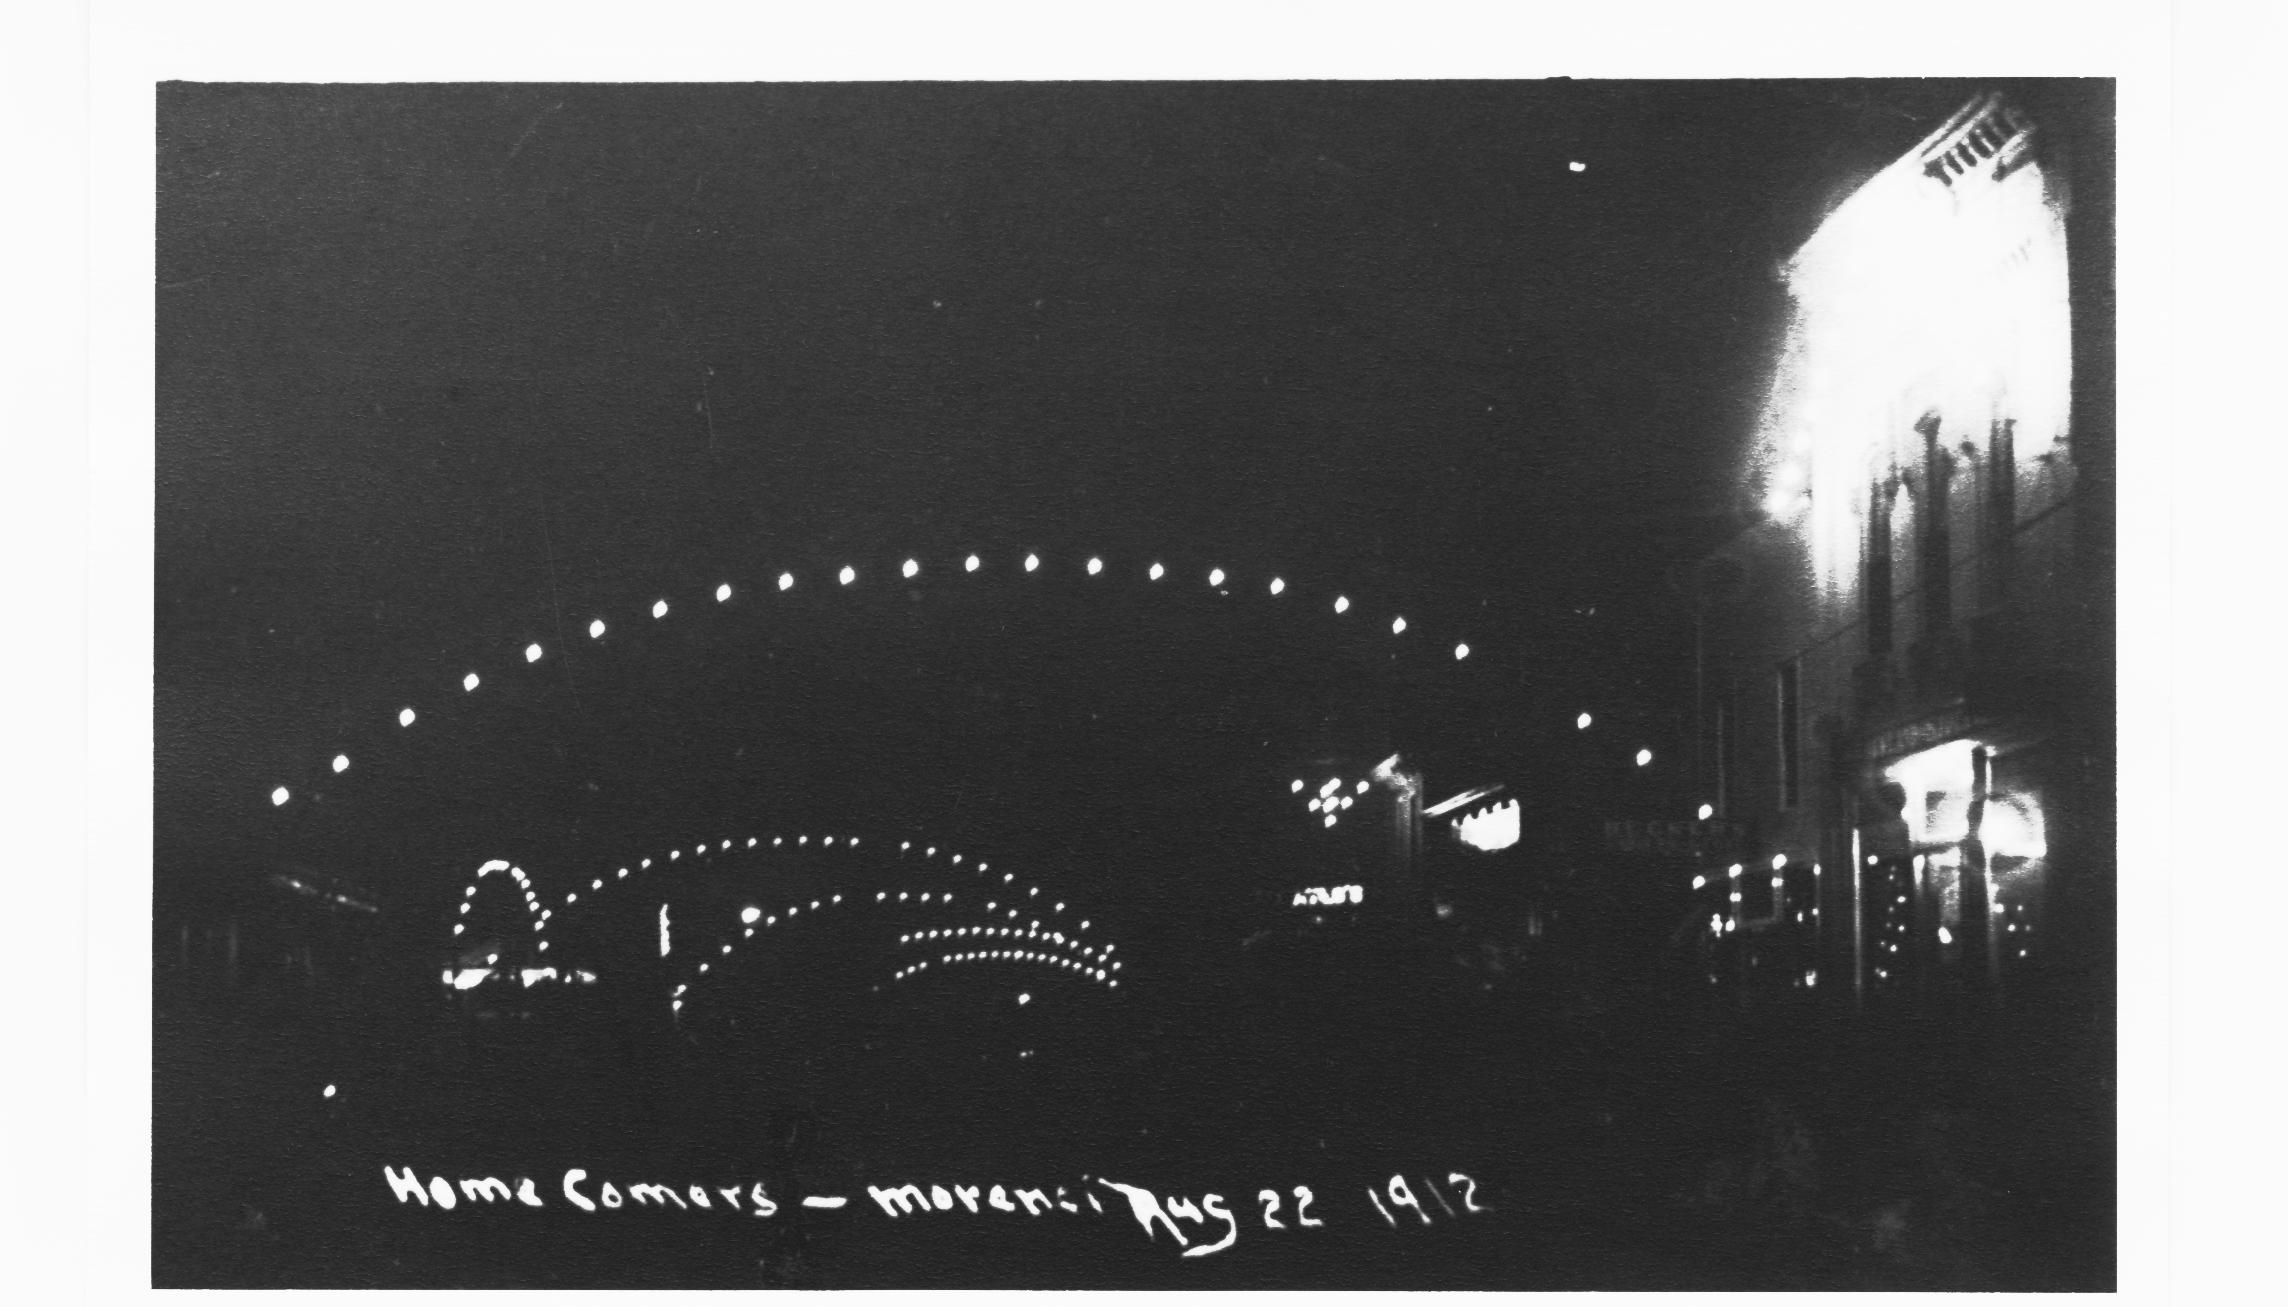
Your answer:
<point x="1215" y="577"/>
<point x="1330" y="819"/>
<point x="698" y="850"/>
<point x="1461" y="651"/>
<point x="1342" y="605"/>
<point x="645" y="863"/>
<point x="341" y="762"/>
<point x="1095" y="565"/>
<point x="852" y="841"/>
<point x="991" y="906"/>
<point x="750" y="841"/>
<point x="279" y="796"/>
<point x="673" y="854"/>
<point x="1313" y="805"/>
<point x="786" y="580"/>
<point x="405" y="716"/>
<point x="722" y="592"/>
<point x="596" y="629"/>
<point x="777" y="840"/>
<point x="1032" y="562"/>
<point x="492" y="959"/>
<point x="749" y="914"/>
<point x="659" y="609"/>
<point x="726" y="948"/>
<point x="956" y="859"/>
<point x="901" y="896"/>
<point x="836" y="899"/>
<point x="1398" y="626"/>
<point x="469" y="682"/>
<point x="1699" y="881"/>
<point x="911" y="569"/>
<point x="1109" y="947"/>
<point x="1348" y="800"/>
<point x="1277" y="585"/>
<point x="814" y="905"/>
<point x="770" y="921"/>
<point x="464" y="909"/>
<point x="623" y="873"/>
<point x="880" y="895"/>
<point x="847" y="574"/>
<point x="1112" y="984"/>
<point x="676" y="1004"/>
<point x="456" y="929"/>
<point x="470" y="892"/>
<point x="1084" y="925"/>
<point x="981" y="866"/>
<point x="1644" y="756"/>
<point x="544" y="913"/>
<point x="970" y="564"/>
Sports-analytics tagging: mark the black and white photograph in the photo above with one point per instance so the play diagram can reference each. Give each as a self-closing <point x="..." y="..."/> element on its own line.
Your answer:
<point x="1075" y="682"/>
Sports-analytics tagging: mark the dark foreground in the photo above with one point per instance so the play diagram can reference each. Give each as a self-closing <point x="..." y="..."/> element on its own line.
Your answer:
<point x="1657" y="1143"/>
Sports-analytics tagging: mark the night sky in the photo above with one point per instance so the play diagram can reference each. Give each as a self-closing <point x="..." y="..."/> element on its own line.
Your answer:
<point x="446" y="369"/>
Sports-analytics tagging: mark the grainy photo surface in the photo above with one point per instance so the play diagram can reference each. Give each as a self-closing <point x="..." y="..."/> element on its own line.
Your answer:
<point x="1399" y="685"/>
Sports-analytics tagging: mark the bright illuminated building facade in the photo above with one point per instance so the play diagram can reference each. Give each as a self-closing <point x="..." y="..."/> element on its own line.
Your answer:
<point x="1904" y="668"/>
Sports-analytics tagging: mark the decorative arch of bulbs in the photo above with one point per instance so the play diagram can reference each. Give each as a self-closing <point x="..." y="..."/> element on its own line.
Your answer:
<point x="1274" y="587"/>
<point x="1013" y="926"/>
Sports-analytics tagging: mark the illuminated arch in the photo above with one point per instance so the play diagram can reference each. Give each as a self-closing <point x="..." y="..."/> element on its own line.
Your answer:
<point x="1269" y="587"/>
<point x="1008" y="916"/>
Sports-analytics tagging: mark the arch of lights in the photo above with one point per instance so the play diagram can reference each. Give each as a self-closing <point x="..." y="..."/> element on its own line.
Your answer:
<point x="1272" y="588"/>
<point x="1009" y="921"/>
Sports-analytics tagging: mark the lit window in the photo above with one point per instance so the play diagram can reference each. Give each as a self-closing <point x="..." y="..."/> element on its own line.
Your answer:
<point x="659" y="609"/>
<point x="596" y="629"/>
<point x="469" y="682"/>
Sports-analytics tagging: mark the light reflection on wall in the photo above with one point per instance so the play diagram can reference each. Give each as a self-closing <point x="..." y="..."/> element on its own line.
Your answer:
<point x="1926" y="291"/>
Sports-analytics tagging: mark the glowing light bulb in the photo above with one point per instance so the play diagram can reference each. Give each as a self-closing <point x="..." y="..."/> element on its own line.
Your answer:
<point x="1095" y="565"/>
<point x="329" y="1091"/>
<point x="1398" y="626"/>
<point x="786" y="580"/>
<point x="1295" y="787"/>
<point x="971" y="563"/>
<point x="405" y="716"/>
<point x="1032" y="562"/>
<point x="596" y="629"/>
<point x="470" y="681"/>
<point x="1278" y="586"/>
<point x="1644" y="757"/>
<point x="1023" y="999"/>
<point x="1330" y="819"/>
<point x="1779" y="861"/>
<point x="1461" y="651"/>
<point x="1362" y="787"/>
<point x="279" y="796"/>
<point x="1342" y="605"/>
<point x="911" y="570"/>
<point x="341" y="762"/>
<point x="847" y="574"/>
<point x="659" y="608"/>
<point x="1157" y="572"/>
<point x="750" y="915"/>
<point x="1215" y="577"/>
<point x="1707" y="811"/>
<point x="722" y="592"/>
<point x="1581" y="723"/>
<point x="1578" y="166"/>
<point x="1699" y="882"/>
